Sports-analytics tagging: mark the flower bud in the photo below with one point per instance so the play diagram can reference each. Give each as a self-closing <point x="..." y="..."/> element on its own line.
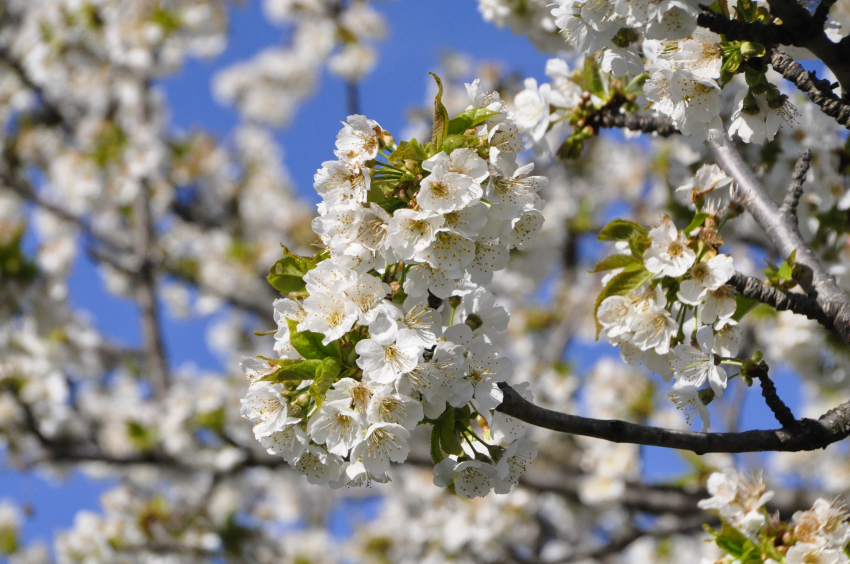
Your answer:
<point x="750" y="106"/>
<point x="474" y="321"/>
<point x="750" y="49"/>
<point x="454" y="301"/>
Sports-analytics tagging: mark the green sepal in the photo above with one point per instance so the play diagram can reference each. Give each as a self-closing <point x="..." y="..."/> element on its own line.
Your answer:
<point x="290" y="370"/>
<point x="286" y="275"/>
<point x="615" y="261"/>
<point x="309" y="344"/>
<point x="441" y="116"/>
<point x="470" y="118"/>
<point x="623" y="284"/>
<point x="621" y="230"/>
<point x="325" y="375"/>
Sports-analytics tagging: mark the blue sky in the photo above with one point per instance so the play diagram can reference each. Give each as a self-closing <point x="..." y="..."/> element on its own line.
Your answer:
<point x="419" y="34"/>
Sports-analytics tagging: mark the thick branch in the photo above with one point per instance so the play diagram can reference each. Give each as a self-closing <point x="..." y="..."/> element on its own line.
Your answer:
<point x="612" y="118"/>
<point x="818" y="90"/>
<point x="832" y="427"/>
<point x="739" y="30"/>
<point x="785" y="235"/>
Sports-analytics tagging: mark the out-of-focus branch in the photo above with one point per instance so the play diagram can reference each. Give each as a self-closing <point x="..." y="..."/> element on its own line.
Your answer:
<point x="679" y="526"/>
<point x="155" y="360"/>
<point x="22" y="188"/>
<point x="810" y="434"/>
<point x="352" y="92"/>
<point x="783" y="232"/>
<point x="818" y="90"/>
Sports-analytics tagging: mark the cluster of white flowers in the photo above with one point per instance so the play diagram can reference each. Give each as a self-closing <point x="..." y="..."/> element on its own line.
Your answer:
<point x="820" y="534"/>
<point x="645" y="324"/>
<point x="400" y="298"/>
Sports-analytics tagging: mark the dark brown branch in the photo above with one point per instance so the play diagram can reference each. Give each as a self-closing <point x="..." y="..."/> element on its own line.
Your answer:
<point x="739" y="30"/>
<point x="818" y="90"/>
<point x="806" y="31"/>
<point x="612" y="118"/>
<point x="755" y="289"/>
<point x="777" y="406"/>
<point x="795" y="189"/>
<point x="832" y="427"/>
<point x="822" y="12"/>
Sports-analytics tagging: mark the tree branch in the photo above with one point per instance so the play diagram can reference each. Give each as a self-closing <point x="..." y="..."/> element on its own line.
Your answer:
<point x="612" y="118"/>
<point x="755" y="289"/>
<point x="832" y="427"/>
<point x="152" y="345"/>
<point x="739" y="30"/>
<point x="795" y="189"/>
<point x="818" y="90"/>
<point x="785" y="235"/>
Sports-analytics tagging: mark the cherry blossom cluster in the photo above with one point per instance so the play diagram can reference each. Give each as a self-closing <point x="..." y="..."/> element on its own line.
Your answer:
<point x="390" y="325"/>
<point x="751" y="534"/>
<point x="686" y="67"/>
<point x="666" y="282"/>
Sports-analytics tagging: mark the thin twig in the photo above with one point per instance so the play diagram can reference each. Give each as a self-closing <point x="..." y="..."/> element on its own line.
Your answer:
<point x="818" y="90"/>
<point x="795" y="189"/>
<point x="781" y="411"/>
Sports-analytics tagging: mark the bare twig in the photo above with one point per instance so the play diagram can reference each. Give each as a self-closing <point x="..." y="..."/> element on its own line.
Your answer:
<point x="353" y="96"/>
<point x="777" y="406"/>
<point x="795" y="189"/>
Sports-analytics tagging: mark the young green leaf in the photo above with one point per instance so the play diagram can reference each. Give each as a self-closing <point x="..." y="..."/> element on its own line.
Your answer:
<point x="309" y="344"/>
<point x="615" y="261"/>
<point x="286" y="275"/>
<point x="441" y="116"/>
<point x="289" y="370"/>
<point x="408" y="150"/>
<point x="325" y="375"/>
<point x="621" y="230"/>
<point x="467" y="119"/>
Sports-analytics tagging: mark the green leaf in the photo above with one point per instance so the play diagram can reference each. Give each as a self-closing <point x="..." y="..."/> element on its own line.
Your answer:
<point x="286" y="275"/>
<point x="621" y="230"/>
<point x="615" y="261"/>
<point x="639" y="244"/>
<point x="326" y="374"/>
<point x="408" y="150"/>
<point x="290" y="370"/>
<point x="453" y="142"/>
<point x="623" y="284"/>
<point x="696" y="222"/>
<point x="309" y="344"/>
<point x="436" y="454"/>
<point x="743" y="306"/>
<point x="593" y="78"/>
<point x="470" y="118"/>
<point x="441" y="116"/>
<point x="449" y="442"/>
